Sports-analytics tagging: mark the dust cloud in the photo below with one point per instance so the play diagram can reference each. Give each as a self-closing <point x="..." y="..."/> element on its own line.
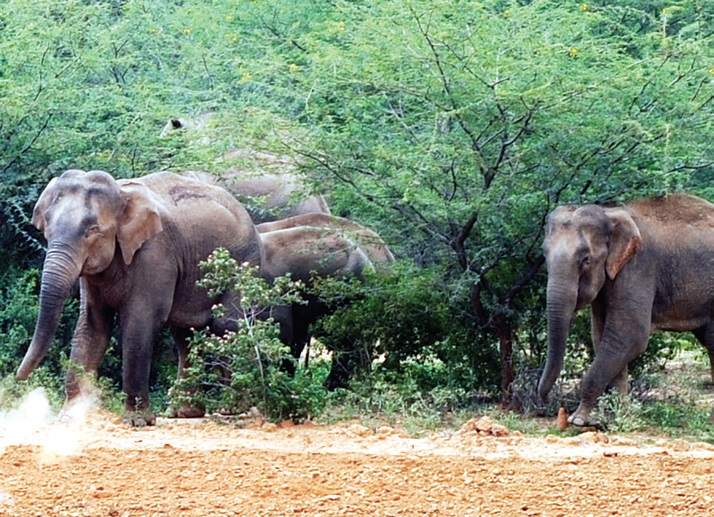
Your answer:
<point x="34" y="422"/>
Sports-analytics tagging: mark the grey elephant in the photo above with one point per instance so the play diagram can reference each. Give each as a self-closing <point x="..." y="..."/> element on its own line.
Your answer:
<point x="337" y="248"/>
<point x="273" y="192"/>
<point x="369" y="241"/>
<point x="267" y="197"/>
<point x="645" y="266"/>
<point x="135" y="245"/>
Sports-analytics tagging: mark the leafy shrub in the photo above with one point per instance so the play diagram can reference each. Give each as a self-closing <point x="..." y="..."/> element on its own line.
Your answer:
<point x="242" y="367"/>
<point x="407" y="316"/>
<point x="620" y="413"/>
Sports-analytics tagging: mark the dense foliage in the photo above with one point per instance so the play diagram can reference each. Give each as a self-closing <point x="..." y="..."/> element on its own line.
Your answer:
<point x="451" y="127"/>
<point x="243" y="368"/>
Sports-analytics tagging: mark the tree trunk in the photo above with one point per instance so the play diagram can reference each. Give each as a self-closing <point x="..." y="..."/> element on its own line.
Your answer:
<point x="504" y="332"/>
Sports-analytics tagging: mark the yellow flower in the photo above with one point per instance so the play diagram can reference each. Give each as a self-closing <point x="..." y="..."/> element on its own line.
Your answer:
<point x="711" y="71"/>
<point x="293" y="68"/>
<point x="573" y="52"/>
<point x="584" y="8"/>
<point x="340" y="26"/>
<point x="187" y="31"/>
<point x="246" y="77"/>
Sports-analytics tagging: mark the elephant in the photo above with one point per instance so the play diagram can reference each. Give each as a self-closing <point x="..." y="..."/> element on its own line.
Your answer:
<point x="273" y="193"/>
<point x="643" y="266"/>
<point x="197" y="123"/>
<point x="372" y="244"/>
<point x="331" y="250"/>
<point x="135" y="246"/>
<point x="267" y="197"/>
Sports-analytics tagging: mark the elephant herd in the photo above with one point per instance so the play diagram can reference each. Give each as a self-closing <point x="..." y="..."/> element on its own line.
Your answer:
<point x="135" y="246"/>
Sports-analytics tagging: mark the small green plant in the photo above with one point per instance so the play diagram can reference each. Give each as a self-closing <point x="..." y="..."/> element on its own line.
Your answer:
<point x="243" y="367"/>
<point x="621" y="413"/>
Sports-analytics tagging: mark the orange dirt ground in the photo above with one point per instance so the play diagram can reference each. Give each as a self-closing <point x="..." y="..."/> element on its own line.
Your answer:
<point x="207" y="468"/>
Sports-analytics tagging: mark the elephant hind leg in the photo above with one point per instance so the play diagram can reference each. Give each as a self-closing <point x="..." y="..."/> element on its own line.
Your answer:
<point x="347" y="359"/>
<point x="181" y="337"/>
<point x="705" y="335"/>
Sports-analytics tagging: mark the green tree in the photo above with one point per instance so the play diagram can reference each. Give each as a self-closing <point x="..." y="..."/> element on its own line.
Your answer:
<point x="457" y="126"/>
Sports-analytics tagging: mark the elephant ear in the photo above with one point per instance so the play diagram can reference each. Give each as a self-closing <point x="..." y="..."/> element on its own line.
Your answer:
<point x="139" y="221"/>
<point x="38" y="213"/>
<point x="625" y="241"/>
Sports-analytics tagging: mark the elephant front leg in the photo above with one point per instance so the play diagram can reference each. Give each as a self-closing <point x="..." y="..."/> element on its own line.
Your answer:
<point x="601" y="374"/>
<point x="139" y="331"/>
<point x="89" y="344"/>
<point x="597" y="325"/>
<point x="623" y="339"/>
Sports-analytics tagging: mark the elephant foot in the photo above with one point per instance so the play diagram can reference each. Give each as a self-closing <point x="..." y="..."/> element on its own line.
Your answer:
<point x="139" y="418"/>
<point x="582" y="418"/>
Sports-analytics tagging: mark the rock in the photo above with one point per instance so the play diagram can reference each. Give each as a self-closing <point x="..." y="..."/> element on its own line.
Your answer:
<point x="484" y="426"/>
<point x="359" y="430"/>
<point x="468" y="427"/>
<point x="499" y="430"/>
<point x="268" y="427"/>
<point x="385" y="430"/>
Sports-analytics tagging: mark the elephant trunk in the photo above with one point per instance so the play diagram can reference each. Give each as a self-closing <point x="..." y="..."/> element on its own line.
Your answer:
<point x="562" y="296"/>
<point x="59" y="274"/>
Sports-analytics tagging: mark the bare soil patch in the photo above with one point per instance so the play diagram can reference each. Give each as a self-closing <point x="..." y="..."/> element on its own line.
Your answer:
<point x="207" y="468"/>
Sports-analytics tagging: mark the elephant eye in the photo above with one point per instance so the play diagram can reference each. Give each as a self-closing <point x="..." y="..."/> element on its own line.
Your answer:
<point x="93" y="230"/>
<point x="585" y="261"/>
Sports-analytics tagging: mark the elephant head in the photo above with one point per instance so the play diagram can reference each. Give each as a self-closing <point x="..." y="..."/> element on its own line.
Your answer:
<point x="583" y="247"/>
<point x="83" y="216"/>
<point x="176" y="123"/>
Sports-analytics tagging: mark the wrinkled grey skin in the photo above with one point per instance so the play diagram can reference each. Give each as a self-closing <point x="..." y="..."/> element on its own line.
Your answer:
<point x="377" y="251"/>
<point x="327" y="251"/>
<point x="267" y="196"/>
<point x="645" y="266"/>
<point x="135" y="246"/>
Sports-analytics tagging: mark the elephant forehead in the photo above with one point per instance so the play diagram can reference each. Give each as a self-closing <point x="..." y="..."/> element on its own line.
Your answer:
<point x="584" y="218"/>
<point x="589" y="212"/>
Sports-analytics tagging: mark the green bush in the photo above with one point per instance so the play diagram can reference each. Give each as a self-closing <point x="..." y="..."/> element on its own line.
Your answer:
<point x="406" y="315"/>
<point x="243" y="367"/>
